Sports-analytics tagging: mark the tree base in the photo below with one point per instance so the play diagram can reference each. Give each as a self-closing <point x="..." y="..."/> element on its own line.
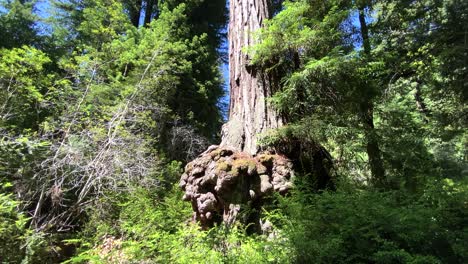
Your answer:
<point x="222" y="179"/>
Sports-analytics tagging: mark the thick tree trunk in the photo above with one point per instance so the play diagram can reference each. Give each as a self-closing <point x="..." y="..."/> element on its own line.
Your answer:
<point x="235" y="174"/>
<point x="249" y="114"/>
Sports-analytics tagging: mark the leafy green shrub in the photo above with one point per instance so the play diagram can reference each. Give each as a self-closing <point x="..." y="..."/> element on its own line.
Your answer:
<point x="379" y="227"/>
<point x="18" y="244"/>
<point x="12" y="229"/>
<point x="346" y="226"/>
<point x="151" y="229"/>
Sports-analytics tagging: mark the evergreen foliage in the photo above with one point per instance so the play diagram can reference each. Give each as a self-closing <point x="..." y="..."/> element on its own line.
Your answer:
<point x="361" y="96"/>
<point x="366" y="226"/>
<point x="18" y="24"/>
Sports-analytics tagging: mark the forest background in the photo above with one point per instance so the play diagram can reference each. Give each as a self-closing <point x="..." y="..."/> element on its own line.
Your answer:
<point x="103" y="102"/>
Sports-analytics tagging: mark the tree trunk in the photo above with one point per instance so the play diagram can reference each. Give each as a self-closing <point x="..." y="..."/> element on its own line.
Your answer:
<point x="135" y="11"/>
<point x="367" y="112"/>
<point x="150" y="5"/>
<point x="238" y="174"/>
<point x="225" y="178"/>
<point x="249" y="114"/>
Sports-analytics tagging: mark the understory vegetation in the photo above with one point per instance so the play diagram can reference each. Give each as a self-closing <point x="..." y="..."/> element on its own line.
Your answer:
<point x="103" y="102"/>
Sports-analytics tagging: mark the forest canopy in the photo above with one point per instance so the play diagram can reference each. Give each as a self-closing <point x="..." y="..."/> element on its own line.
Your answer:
<point x="105" y="105"/>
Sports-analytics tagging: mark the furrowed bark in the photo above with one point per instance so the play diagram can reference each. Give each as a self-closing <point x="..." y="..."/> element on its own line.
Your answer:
<point x="249" y="114"/>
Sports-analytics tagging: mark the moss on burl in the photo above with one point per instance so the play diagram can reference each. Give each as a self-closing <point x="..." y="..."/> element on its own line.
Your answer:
<point x="245" y="164"/>
<point x="223" y="166"/>
<point x="189" y="167"/>
<point x="215" y="153"/>
<point x="266" y="159"/>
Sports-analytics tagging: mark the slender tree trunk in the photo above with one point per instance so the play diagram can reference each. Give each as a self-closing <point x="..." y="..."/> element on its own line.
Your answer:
<point x="135" y="11"/>
<point x="367" y="111"/>
<point x="150" y="5"/>
<point x="372" y="146"/>
<point x="249" y="113"/>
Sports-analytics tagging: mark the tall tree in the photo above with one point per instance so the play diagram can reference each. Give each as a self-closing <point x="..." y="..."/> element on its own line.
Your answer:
<point x="243" y="171"/>
<point x="367" y="108"/>
<point x="17" y="24"/>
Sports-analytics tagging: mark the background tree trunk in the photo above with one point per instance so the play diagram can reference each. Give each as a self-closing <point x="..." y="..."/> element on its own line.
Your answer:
<point x="249" y="114"/>
<point x="150" y="6"/>
<point x="367" y="111"/>
<point x="135" y="11"/>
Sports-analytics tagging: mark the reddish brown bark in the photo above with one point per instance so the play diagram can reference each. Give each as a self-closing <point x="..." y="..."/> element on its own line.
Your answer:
<point x="249" y="113"/>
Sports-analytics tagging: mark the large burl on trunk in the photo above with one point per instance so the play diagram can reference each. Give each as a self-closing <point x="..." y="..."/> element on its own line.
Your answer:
<point x="222" y="179"/>
<point x="238" y="172"/>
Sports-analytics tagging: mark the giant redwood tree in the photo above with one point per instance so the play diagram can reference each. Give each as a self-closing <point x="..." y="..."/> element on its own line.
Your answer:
<point x="239" y="172"/>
